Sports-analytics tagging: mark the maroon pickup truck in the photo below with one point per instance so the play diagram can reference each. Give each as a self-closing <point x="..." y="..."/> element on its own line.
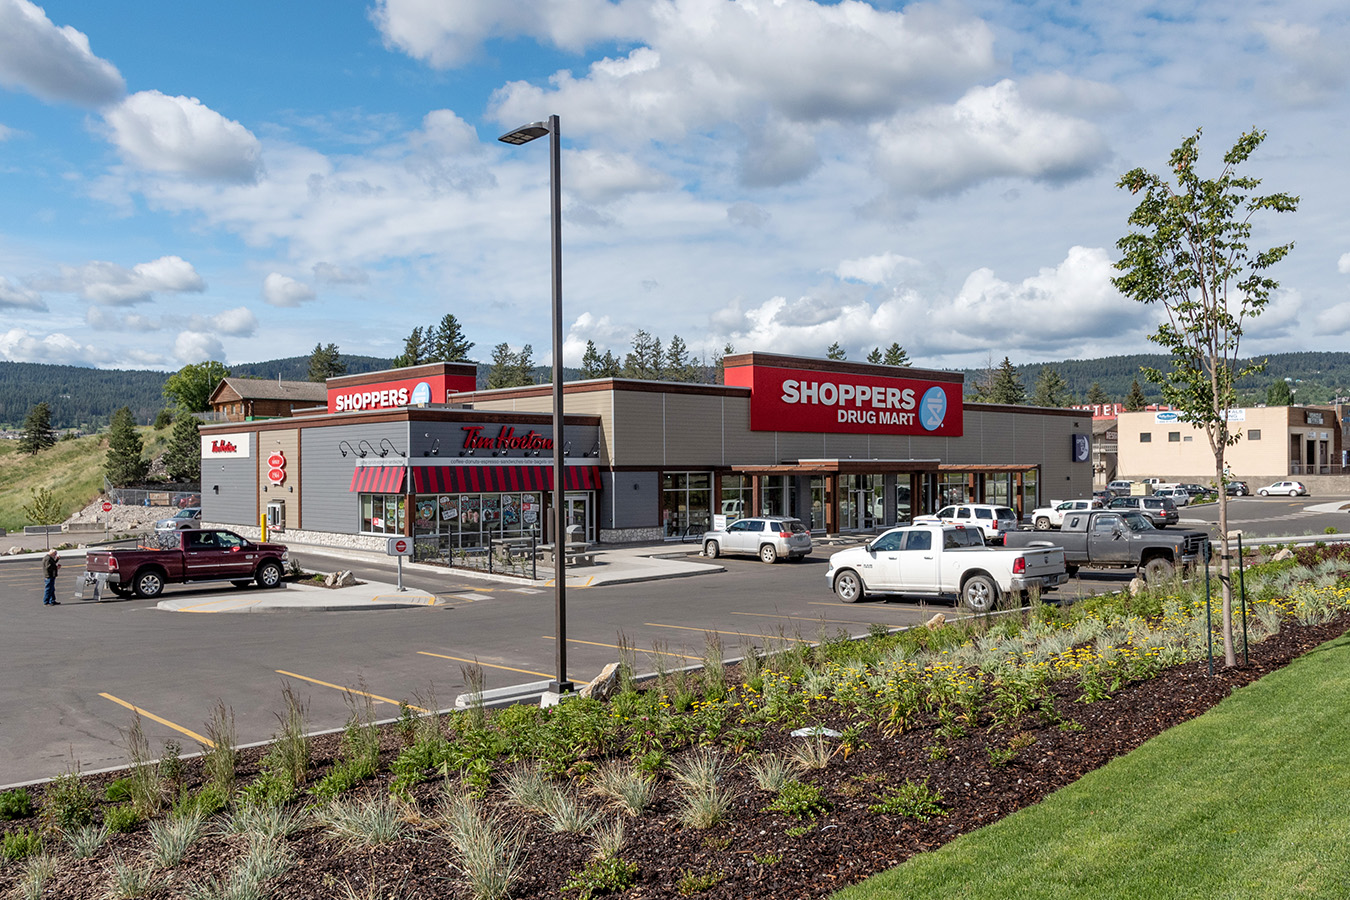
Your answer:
<point x="174" y="557"/>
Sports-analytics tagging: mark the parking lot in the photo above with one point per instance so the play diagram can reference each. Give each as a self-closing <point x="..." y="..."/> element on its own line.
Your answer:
<point x="73" y="674"/>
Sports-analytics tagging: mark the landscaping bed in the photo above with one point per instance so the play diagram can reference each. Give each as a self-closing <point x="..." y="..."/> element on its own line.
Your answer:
<point x="910" y="740"/>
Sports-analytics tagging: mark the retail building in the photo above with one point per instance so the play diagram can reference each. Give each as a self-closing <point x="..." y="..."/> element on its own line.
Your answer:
<point x="842" y="446"/>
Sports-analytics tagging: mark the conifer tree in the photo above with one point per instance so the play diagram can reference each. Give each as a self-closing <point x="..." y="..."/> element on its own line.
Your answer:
<point x="1006" y="386"/>
<point x="124" y="465"/>
<point x="446" y="342"/>
<point x="414" y="351"/>
<point x="37" y="432"/>
<point x="1135" y="400"/>
<point x="1096" y="396"/>
<point x="896" y="356"/>
<point x="875" y="356"/>
<point x="1051" y="389"/>
<point x="183" y="455"/>
<point x="325" y="363"/>
<point x="834" y="351"/>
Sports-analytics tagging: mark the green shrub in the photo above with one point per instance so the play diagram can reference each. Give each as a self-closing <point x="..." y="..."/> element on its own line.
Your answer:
<point x="910" y="799"/>
<point x="799" y="799"/>
<point x="607" y="875"/>
<point x="343" y="777"/>
<point x="118" y="791"/>
<point x="208" y="799"/>
<point x="69" y="802"/>
<point x="121" y="818"/>
<point x="15" y="804"/>
<point x="269" y="789"/>
<point x="16" y="845"/>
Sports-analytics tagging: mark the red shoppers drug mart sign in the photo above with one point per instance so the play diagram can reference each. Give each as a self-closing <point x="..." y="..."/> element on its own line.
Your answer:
<point x="784" y="399"/>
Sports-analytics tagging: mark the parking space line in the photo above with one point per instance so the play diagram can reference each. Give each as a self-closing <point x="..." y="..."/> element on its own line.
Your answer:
<point x="346" y="690"/>
<point x="910" y="608"/>
<point x="715" y="631"/>
<point x="486" y="665"/>
<point x="549" y="637"/>
<point x="806" y="618"/>
<point x="205" y="742"/>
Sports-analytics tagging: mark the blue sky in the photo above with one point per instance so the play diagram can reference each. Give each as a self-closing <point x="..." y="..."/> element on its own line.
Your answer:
<point x="242" y="181"/>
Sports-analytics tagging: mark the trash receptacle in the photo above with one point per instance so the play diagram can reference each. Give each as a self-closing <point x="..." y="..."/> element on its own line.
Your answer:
<point x="576" y="534"/>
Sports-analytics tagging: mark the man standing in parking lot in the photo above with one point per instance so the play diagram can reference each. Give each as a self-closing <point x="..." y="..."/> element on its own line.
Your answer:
<point x="51" y="564"/>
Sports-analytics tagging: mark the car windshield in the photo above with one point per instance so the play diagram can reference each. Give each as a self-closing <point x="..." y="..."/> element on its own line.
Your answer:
<point x="1137" y="521"/>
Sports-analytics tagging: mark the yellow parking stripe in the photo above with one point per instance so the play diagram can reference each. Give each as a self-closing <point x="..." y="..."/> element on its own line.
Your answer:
<point x="338" y="687"/>
<point x="715" y="631"/>
<point x="205" y="742"/>
<point x="806" y="618"/>
<point x="486" y="665"/>
<point x="549" y="637"/>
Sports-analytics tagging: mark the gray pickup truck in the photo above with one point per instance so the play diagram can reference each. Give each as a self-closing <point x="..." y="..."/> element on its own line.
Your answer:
<point x="1118" y="539"/>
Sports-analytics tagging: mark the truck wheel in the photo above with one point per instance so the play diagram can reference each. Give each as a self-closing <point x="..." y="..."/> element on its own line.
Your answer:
<point x="1157" y="570"/>
<point x="1042" y="523"/>
<point x="149" y="583"/>
<point x="980" y="594"/>
<point x="768" y="554"/>
<point x="849" y="587"/>
<point x="269" y="574"/>
<point x="711" y="550"/>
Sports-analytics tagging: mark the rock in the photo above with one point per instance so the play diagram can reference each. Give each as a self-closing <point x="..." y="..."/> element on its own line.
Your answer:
<point x="604" y="685"/>
<point x="1285" y="553"/>
<point x="339" y="579"/>
<point x="816" y="731"/>
<point x="1136" y="585"/>
<point x="936" y="622"/>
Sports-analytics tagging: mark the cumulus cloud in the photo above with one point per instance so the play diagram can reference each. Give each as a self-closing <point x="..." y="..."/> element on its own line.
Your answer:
<point x="103" y="319"/>
<point x="183" y="136"/>
<point x="14" y="297"/>
<point x="19" y="345"/>
<point x="109" y="284"/>
<point x="990" y="132"/>
<point x="53" y="64"/>
<point x="283" y="290"/>
<point x="196" y="346"/>
<point x="237" y="322"/>
<point x="879" y="269"/>
<point x="594" y="176"/>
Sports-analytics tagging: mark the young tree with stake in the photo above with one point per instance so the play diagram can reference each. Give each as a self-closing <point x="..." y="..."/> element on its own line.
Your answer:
<point x="1188" y="252"/>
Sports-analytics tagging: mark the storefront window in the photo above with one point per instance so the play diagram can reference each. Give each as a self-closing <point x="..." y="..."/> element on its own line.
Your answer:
<point x="771" y="496"/>
<point x="686" y="499"/>
<point x="736" y="496"/>
<point x="998" y="489"/>
<point x="861" y="501"/>
<point x="382" y="513"/>
<point x="817" y="503"/>
<point x="453" y="521"/>
<point x="952" y="488"/>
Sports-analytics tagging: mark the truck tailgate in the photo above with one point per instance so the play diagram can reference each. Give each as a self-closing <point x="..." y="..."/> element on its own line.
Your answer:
<point x="1044" y="560"/>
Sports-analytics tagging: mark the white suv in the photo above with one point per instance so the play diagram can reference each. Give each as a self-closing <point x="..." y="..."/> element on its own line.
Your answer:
<point x="1052" y="516"/>
<point x="992" y="520"/>
<point x="770" y="538"/>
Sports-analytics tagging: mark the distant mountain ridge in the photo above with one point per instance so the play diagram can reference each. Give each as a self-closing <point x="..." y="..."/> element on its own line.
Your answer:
<point x="86" y="398"/>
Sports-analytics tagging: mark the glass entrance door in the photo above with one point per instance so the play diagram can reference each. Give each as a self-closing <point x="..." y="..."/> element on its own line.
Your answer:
<point x="577" y="511"/>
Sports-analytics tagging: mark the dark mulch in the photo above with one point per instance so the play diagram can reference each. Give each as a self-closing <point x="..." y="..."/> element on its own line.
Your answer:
<point x="752" y="852"/>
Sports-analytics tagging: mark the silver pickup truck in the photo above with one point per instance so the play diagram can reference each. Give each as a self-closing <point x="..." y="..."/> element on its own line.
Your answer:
<point x="943" y="561"/>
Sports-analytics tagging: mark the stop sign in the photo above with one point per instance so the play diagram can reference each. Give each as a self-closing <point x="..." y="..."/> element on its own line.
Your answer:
<point x="107" y="506"/>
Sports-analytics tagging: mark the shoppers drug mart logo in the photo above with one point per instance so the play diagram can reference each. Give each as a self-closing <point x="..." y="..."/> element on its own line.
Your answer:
<point x="933" y="408"/>
<point x="421" y="393"/>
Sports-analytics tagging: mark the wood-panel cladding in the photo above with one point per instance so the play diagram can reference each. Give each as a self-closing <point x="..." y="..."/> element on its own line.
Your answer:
<point x="288" y="493"/>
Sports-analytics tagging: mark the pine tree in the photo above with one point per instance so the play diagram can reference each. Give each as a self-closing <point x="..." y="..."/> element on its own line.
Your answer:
<point x="414" y="351"/>
<point x="679" y="367"/>
<point x="590" y="361"/>
<point x="834" y="351"/>
<point x="609" y="365"/>
<point x="325" y="363"/>
<point x="1135" y="400"/>
<point x="875" y="356"/>
<point x="1051" y="389"/>
<point x="37" y="432"/>
<point x="1279" y="393"/>
<point x="446" y="343"/>
<point x="720" y="364"/>
<point x="896" y="356"/>
<point x="124" y="465"/>
<point x="1096" y="396"/>
<point x="644" y="361"/>
<point x="509" y="368"/>
<point x="1006" y="387"/>
<point x="183" y="455"/>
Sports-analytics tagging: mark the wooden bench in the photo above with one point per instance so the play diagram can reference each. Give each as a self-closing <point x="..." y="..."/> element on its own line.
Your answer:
<point x="573" y="554"/>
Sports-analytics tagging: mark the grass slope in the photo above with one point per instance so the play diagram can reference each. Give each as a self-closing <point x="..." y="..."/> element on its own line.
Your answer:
<point x="73" y="470"/>
<point x="1247" y="801"/>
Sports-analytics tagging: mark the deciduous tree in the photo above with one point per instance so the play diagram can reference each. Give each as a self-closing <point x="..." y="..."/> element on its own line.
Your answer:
<point x="1188" y="252"/>
<point x="190" y="387"/>
<point x="1279" y="393"/>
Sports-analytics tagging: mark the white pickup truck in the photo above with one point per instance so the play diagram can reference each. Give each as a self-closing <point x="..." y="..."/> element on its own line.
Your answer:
<point x="1052" y="516"/>
<point x="943" y="561"/>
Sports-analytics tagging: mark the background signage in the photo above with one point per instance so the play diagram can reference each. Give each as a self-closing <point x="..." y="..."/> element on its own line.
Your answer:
<point x="1082" y="448"/>
<point x="784" y="399"/>
<point x="398" y="392"/>
<point x="218" y="445"/>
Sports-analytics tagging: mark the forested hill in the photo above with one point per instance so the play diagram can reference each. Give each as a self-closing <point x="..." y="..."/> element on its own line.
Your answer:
<point x="86" y="398"/>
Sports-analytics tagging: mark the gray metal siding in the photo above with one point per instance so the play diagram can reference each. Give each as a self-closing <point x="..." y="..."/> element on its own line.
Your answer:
<point x="630" y="500"/>
<point x="329" y="504"/>
<point x="236" y="502"/>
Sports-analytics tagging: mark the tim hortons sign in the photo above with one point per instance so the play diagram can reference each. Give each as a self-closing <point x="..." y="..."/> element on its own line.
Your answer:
<point x="221" y="445"/>
<point x="505" y="439"/>
<point x="783" y="399"/>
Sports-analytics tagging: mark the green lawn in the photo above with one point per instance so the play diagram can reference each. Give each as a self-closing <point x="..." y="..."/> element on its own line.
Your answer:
<point x="1251" y="800"/>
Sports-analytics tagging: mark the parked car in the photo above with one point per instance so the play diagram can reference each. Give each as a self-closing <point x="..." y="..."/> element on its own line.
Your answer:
<point x="1102" y="495"/>
<point x="1237" y="489"/>
<point x="188" y="517"/>
<point x="1119" y="488"/>
<point x="942" y="561"/>
<point x="1118" y="539"/>
<point x="1177" y="494"/>
<point x="1196" y="490"/>
<point x="1161" y="511"/>
<point x="992" y="520"/>
<point x="1052" y="516"/>
<point x="770" y="538"/>
<point x="1292" y="488"/>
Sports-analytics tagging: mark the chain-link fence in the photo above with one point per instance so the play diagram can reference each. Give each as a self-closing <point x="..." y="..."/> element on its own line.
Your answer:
<point x="143" y="497"/>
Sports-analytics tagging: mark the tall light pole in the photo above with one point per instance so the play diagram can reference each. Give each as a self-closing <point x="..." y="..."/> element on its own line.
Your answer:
<point x="523" y="135"/>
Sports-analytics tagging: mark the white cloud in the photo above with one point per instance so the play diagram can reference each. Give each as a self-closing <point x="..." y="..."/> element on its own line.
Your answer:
<point x="112" y="285"/>
<point x="183" y="136"/>
<point x="1317" y="66"/>
<point x="237" y="322"/>
<point x="14" y="297"/>
<point x="449" y="34"/>
<point x="283" y="290"/>
<point x="196" y="346"/>
<point x="328" y="273"/>
<point x="595" y="176"/>
<point x="53" y="64"/>
<point x="6" y="133"/>
<point x="102" y="319"/>
<point x="1343" y="264"/>
<point x="19" y="345"/>
<point x="600" y="329"/>
<point x="878" y="269"/>
<point x="989" y="133"/>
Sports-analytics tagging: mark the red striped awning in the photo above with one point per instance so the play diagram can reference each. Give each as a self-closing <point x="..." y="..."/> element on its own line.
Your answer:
<point x="479" y="479"/>
<point x="378" y="479"/>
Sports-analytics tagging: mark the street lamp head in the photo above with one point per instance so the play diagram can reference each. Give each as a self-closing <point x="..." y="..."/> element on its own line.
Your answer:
<point x="525" y="133"/>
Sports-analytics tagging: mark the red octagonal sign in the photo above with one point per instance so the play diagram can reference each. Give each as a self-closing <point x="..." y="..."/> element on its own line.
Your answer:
<point x="107" y="507"/>
<point x="401" y="546"/>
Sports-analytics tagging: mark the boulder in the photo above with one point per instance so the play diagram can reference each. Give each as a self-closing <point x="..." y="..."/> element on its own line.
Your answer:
<point x="936" y="622"/>
<point x="604" y="685"/>
<point x="1137" y="584"/>
<point x="1284" y="553"/>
